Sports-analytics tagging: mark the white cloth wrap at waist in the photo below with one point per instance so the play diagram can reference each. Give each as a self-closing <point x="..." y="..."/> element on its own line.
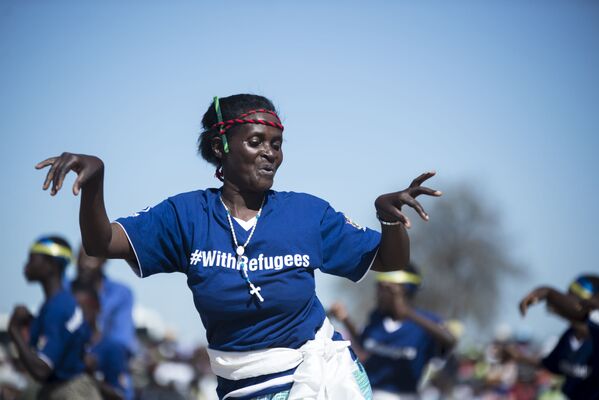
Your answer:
<point x="324" y="367"/>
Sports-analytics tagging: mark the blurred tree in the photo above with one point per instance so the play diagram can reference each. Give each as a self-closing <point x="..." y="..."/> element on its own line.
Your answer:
<point x="465" y="255"/>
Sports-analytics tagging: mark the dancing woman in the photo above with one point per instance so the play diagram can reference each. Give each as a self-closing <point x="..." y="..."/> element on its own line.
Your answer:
<point x="250" y="253"/>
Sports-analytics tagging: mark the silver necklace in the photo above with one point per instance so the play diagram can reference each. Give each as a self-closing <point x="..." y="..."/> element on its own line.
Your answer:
<point x="240" y="249"/>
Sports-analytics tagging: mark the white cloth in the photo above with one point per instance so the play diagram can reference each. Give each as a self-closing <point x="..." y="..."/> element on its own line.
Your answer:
<point x="325" y="369"/>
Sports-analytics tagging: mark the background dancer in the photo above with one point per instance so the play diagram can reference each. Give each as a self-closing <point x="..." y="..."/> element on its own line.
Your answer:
<point x="249" y="254"/>
<point x="399" y="339"/>
<point x="51" y="345"/>
<point x="576" y="355"/>
<point x="115" y="318"/>
<point x="106" y="359"/>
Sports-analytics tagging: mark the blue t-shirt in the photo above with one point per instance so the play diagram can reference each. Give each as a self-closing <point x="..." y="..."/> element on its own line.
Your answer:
<point x="593" y="324"/>
<point x="575" y="363"/>
<point x="59" y="333"/>
<point x="116" y="314"/>
<point x="399" y="351"/>
<point x="113" y="365"/>
<point x="295" y="235"/>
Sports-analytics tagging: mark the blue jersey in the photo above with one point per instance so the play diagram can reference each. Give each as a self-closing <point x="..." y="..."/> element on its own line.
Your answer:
<point x="295" y="235"/>
<point x="59" y="333"/>
<point x="113" y="365"/>
<point x="593" y="324"/>
<point x="116" y="314"/>
<point x="575" y="362"/>
<point x="399" y="351"/>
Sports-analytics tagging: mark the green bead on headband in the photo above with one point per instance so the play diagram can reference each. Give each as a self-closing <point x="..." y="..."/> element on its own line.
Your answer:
<point x="219" y="116"/>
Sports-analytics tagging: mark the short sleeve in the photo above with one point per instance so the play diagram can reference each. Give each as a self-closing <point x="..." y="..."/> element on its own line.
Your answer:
<point x="116" y="314"/>
<point x="56" y="335"/>
<point x="348" y="249"/>
<point x="156" y="238"/>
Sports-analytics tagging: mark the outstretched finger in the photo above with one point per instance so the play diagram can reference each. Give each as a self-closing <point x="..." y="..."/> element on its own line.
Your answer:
<point x="402" y="218"/>
<point x="62" y="171"/>
<point x="50" y="174"/>
<point x="417" y="191"/>
<point x="45" y="163"/>
<point x="78" y="182"/>
<point x="412" y="202"/>
<point x="423" y="177"/>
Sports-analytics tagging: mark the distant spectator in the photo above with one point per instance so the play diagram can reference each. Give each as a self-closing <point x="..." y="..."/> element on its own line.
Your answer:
<point x="116" y="300"/>
<point x="399" y="340"/>
<point x="51" y="345"/>
<point x="575" y="355"/>
<point x="106" y="359"/>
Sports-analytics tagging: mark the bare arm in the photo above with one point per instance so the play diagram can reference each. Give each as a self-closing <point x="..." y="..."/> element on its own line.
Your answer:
<point x="339" y="312"/>
<point x="566" y="306"/>
<point x="512" y="352"/>
<point x="394" y="249"/>
<point x="402" y="310"/>
<point x="36" y="367"/>
<point x="100" y="237"/>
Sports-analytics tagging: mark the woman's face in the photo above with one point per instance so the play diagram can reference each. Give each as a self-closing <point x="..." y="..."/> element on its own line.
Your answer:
<point x="255" y="154"/>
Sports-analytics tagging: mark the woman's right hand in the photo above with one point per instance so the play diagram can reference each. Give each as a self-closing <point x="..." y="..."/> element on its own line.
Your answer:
<point x="87" y="168"/>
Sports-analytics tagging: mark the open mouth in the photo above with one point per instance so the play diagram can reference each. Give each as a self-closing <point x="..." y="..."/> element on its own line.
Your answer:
<point x="267" y="170"/>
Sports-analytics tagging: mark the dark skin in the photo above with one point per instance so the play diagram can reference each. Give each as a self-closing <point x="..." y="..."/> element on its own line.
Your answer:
<point x="566" y="305"/>
<point x="90" y="270"/>
<point x="255" y="154"/>
<point x="392" y="300"/>
<point x="38" y="269"/>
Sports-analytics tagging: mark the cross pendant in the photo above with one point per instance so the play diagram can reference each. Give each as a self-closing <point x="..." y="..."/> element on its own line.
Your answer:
<point x="256" y="291"/>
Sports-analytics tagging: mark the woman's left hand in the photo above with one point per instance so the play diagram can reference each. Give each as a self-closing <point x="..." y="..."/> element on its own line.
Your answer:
<point x="388" y="206"/>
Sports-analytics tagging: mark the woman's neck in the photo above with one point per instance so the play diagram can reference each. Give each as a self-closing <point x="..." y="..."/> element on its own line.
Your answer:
<point x="242" y="204"/>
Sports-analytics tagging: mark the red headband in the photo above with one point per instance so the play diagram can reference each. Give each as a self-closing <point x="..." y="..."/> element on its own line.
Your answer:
<point x="225" y="125"/>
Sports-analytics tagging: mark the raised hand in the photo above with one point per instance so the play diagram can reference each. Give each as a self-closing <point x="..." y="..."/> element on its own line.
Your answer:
<point x="535" y="296"/>
<point x="86" y="167"/>
<point x="338" y="311"/>
<point x="20" y="317"/>
<point x="388" y="206"/>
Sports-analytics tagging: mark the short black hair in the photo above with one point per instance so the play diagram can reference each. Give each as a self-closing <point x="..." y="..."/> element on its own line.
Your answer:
<point x="230" y="107"/>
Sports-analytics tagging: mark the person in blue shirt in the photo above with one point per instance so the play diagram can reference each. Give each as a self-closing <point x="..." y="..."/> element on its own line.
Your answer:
<point x="576" y="355"/>
<point x="249" y="254"/>
<point x="115" y="318"/>
<point x="399" y="340"/>
<point x="51" y="345"/>
<point x="106" y="358"/>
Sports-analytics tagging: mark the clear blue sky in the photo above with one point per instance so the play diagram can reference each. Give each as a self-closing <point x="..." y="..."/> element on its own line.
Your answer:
<point x="503" y="94"/>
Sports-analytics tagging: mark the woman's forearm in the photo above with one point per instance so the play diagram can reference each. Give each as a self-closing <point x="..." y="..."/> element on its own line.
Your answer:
<point x="394" y="249"/>
<point x="96" y="232"/>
